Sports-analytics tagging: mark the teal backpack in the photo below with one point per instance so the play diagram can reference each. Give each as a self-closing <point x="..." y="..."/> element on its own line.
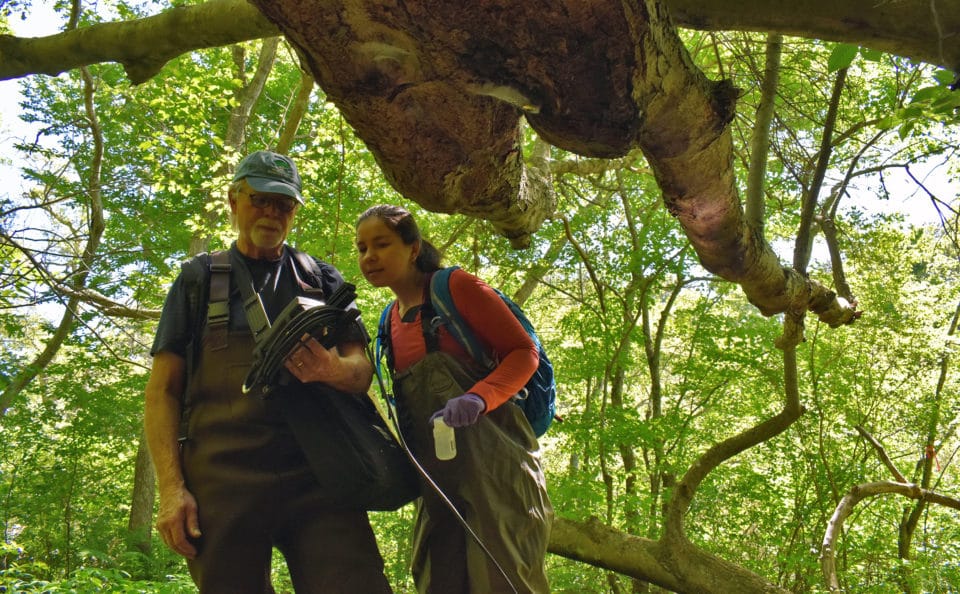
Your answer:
<point x="538" y="399"/>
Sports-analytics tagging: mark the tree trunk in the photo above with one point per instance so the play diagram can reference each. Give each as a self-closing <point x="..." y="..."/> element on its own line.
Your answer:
<point x="140" y="523"/>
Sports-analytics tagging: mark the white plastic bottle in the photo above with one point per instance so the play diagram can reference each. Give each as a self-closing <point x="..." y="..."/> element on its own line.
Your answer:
<point x="444" y="440"/>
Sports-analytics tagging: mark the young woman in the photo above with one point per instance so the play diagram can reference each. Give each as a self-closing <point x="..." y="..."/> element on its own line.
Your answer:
<point x="495" y="479"/>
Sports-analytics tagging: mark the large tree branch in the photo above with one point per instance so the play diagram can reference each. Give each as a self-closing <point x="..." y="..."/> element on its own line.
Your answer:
<point x="441" y="114"/>
<point x="143" y="45"/>
<point x="678" y="567"/>
<point x="923" y="30"/>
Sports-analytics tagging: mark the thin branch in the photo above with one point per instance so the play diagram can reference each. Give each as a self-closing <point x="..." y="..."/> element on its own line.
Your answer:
<point x="804" y="243"/>
<point x="882" y="453"/>
<point x="598" y="287"/>
<point x="95" y="225"/>
<point x="291" y="122"/>
<point x="760" y="143"/>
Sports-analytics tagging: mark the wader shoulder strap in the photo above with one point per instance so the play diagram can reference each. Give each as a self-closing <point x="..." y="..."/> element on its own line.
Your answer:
<point x="218" y="306"/>
<point x="304" y="264"/>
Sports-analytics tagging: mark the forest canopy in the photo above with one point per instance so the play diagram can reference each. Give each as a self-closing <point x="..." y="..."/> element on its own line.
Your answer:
<point x="714" y="434"/>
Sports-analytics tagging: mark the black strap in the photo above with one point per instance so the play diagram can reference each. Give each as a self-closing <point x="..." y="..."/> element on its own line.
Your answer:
<point x="252" y="305"/>
<point x="430" y="326"/>
<point x="430" y="322"/>
<point x="218" y="305"/>
<point x="304" y="262"/>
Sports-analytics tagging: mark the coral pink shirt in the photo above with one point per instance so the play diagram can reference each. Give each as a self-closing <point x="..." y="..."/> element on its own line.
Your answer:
<point x="493" y="324"/>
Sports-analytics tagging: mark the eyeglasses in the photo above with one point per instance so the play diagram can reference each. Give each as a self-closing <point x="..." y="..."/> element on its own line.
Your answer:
<point x="284" y="205"/>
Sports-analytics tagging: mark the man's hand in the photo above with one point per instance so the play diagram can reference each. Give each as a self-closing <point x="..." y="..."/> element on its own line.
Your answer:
<point x="310" y="362"/>
<point x="344" y="367"/>
<point x="177" y="521"/>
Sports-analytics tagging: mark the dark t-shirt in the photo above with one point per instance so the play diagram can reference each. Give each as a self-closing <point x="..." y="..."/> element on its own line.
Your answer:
<point x="275" y="281"/>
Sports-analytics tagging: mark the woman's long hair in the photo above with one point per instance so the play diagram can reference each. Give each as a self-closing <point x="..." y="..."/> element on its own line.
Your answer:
<point x="400" y="221"/>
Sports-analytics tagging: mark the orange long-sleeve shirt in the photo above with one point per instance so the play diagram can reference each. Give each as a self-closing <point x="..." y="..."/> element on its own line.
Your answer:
<point x="495" y="327"/>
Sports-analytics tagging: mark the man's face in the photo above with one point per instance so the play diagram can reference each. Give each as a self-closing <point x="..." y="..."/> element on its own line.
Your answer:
<point x="263" y="221"/>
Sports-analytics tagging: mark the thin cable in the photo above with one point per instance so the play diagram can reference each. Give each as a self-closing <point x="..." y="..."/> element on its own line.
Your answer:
<point x="320" y="320"/>
<point x="391" y="413"/>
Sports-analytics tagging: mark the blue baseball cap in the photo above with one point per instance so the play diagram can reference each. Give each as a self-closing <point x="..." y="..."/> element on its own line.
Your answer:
<point x="270" y="172"/>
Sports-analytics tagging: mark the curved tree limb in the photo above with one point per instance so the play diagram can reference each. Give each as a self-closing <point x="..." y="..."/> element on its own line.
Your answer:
<point x="892" y="27"/>
<point x="84" y="263"/>
<point x="678" y="567"/>
<point x="846" y="506"/>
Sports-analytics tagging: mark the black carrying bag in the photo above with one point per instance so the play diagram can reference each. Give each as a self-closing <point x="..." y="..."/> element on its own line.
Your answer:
<point x="357" y="461"/>
<point x="349" y="448"/>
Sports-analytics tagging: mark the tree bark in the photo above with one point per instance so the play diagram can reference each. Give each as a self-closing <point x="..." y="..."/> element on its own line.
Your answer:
<point x="921" y="30"/>
<point x="678" y="567"/>
<point x="436" y="90"/>
<point x="140" y="523"/>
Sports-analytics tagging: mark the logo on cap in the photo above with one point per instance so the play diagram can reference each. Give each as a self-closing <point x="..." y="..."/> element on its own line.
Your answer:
<point x="267" y="171"/>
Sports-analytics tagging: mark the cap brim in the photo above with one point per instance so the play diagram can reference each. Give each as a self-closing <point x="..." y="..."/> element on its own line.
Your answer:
<point x="272" y="186"/>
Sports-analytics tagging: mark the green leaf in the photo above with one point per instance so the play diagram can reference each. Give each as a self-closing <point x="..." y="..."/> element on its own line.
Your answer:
<point x="945" y="77"/>
<point x="906" y="129"/>
<point x="871" y="54"/>
<point x="925" y="94"/>
<point x="842" y="56"/>
<point x="886" y="122"/>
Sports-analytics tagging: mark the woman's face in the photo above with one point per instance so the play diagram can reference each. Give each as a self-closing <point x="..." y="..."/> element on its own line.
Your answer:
<point x="385" y="260"/>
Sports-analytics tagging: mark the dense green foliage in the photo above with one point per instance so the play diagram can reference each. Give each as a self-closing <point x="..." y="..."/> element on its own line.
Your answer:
<point x="656" y="360"/>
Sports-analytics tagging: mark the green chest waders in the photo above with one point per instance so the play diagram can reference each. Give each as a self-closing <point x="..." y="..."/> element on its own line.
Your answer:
<point x="495" y="481"/>
<point x="234" y="437"/>
<point x="255" y="491"/>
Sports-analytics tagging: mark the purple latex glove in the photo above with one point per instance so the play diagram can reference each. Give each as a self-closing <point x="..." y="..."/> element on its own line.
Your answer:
<point x="462" y="410"/>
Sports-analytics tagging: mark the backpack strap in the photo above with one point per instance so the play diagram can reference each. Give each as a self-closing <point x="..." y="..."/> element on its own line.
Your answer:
<point x="384" y="347"/>
<point x="305" y="266"/>
<point x="218" y="305"/>
<point x="429" y="322"/>
<point x="430" y="325"/>
<point x="442" y="302"/>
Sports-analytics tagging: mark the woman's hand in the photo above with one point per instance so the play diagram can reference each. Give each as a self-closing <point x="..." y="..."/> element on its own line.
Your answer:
<point x="462" y="410"/>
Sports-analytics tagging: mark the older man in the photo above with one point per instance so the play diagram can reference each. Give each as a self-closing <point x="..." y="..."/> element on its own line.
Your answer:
<point x="234" y="483"/>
